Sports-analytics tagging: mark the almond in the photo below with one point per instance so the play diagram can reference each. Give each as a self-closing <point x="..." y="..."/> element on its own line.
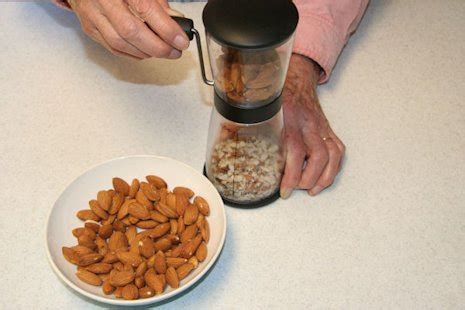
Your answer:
<point x="142" y="199"/>
<point x="189" y="248"/>
<point x="173" y="226"/>
<point x="89" y="259"/>
<point x="99" y="268"/>
<point x="181" y="225"/>
<point x="134" y="247"/>
<point x="172" y="277"/>
<point x="125" y="222"/>
<point x="111" y="192"/>
<point x="132" y="220"/>
<point x="146" y="292"/>
<point x="175" y="261"/>
<point x="174" y="239"/>
<point x="119" y="226"/>
<point x="104" y="200"/>
<point x="118" y="266"/>
<point x="81" y="250"/>
<point x="146" y="247"/>
<point x="107" y="288"/>
<point x="102" y="246"/>
<point x="104" y="276"/>
<point x="121" y="186"/>
<point x="134" y="188"/>
<point x="201" y="252"/>
<point x="184" y="270"/>
<point x="77" y="232"/>
<point x="117" y="241"/>
<point x="166" y="210"/>
<point x="141" y="269"/>
<point x="95" y="207"/>
<point x="121" y="278"/>
<point x="205" y="231"/>
<point x="139" y="282"/>
<point x="109" y="220"/>
<point x="163" y="193"/>
<point x="88" y="277"/>
<point x="154" y="282"/>
<point x="110" y="258"/>
<point x="156" y="181"/>
<point x="85" y="215"/>
<point x="200" y="220"/>
<point x="94" y="226"/>
<point x="105" y="231"/>
<point x="138" y="211"/>
<point x="123" y="211"/>
<point x="191" y="214"/>
<point x="162" y="244"/>
<point x="181" y="204"/>
<point x="70" y="255"/>
<point x="130" y="258"/>
<point x="202" y="205"/>
<point x="116" y="203"/>
<point x="150" y="191"/>
<point x="147" y="224"/>
<point x="160" y="263"/>
<point x="176" y="251"/>
<point x="118" y="292"/>
<point x="157" y="216"/>
<point x="180" y="190"/>
<point x="131" y="233"/>
<point x="194" y="261"/>
<point x="87" y="241"/>
<point x="171" y="200"/>
<point x="160" y="230"/>
<point x="130" y="292"/>
<point x="151" y="262"/>
<point x="189" y="233"/>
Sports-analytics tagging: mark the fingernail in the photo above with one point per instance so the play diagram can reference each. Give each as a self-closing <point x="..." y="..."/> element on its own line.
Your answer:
<point x="181" y="42"/>
<point x="174" y="54"/>
<point x="285" y="192"/>
<point x="315" y="190"/>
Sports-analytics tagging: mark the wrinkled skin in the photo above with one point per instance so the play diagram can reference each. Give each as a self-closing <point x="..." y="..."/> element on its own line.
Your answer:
<point x="314" y="152"/>
<point x="119" y="26"/>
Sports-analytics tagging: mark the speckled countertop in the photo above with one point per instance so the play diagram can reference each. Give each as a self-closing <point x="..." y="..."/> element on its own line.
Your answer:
<point x="389" y="234"/>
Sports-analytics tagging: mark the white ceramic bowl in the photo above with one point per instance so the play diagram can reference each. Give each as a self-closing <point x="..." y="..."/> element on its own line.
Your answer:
<point x="62" y="218"/>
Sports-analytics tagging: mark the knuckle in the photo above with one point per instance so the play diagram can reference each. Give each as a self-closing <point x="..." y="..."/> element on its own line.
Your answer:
<point x="326" y="182"/>
<point x="117" y="43"/>
<point x="321" y="156"/>
<point x="128" y="29"/>
<point x="142" y="7"/>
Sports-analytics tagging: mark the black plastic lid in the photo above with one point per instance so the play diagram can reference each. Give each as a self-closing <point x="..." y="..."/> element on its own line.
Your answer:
<point x="250" y="24"/>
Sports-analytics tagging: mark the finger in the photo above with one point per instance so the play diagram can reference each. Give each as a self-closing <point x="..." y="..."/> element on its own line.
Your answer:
<point x="340" y="145"/>
<point x="331" y="169"/>
<point x="135" y="31"/>
<point x="316" y="163"/>
<point x="293" y="168"/>
<point x="114" y="40"/>
<point x="159" y="20"/>
<point x="99" y="38"/>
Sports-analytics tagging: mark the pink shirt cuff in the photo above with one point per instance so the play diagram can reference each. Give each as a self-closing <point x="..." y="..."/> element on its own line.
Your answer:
<point x="62" y="3"/>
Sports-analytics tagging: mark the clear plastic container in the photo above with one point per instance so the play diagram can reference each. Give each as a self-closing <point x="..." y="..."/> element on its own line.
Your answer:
<point x="249" y="77"/>
<point x="245" y="162"/>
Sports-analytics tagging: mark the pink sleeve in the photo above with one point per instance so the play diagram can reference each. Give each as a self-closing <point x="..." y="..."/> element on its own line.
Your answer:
<point x="62" y="3"/>
<point x="324" y="28"/>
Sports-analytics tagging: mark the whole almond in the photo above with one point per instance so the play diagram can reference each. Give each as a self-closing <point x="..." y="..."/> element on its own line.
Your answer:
<point x="130" y="258"/>
<point x="94" y="226"/>
<point x="118" y="292"/>
<point x="131" y="233"/>
<point x="175" y="261"/>
<point x="107" y="288"/>
<point x="181" y="204"/>
<point x="120" y="225"/>
<point x="85" y="215"/>
<point x="173" y="226"/>
<point x="117" y="241"/>
<point x="77" y="232"/>
<point x="142" y="199"/>
<point x="89" y="232"/>
<point x="118" y="266"/>
<point x="146" y="292"/>
<point x="166" y="210"/>
<point x="110" y="258"/>
<point x="205" y="231"/>
<point x="87" y="241"/>
<point x="171" y="200"/>
<point x="138" y="211"/>
<point x="102" y="246"/>
<point x="134" y="247"/>
<point x="162" y="244"/>
<point x="109" y="220"/>
<point x="194" y="261"/>
<point x="150" y="191"/>
<point x="123" y="211"/>
<point x="154" y="282"/>
<point x="201" y="252"/>
<point x="191" y="214"/>
<point x="189" y="233"/>
<point x="116" y="203"/>
<point x="151" y="261"/>
<point x="121" y="186"/>
<point x="111" y="192"/>
<point x="139" y="281"/>
<point x="156" y="181"/>
<point x="132" y="220"/>
<point x="174" y="239"/>
<point x="89" y="259"/>
<point x="89" y="277"/>
<point x="99" y="268"/>
<point x="95" y="207"/>
<point x="180" y="190"/>
<point x="126" y="221"/>
<point x="184" y="270"/>
<point x="104" y="200"/>
<point x="105" y="231"/>
<point x="200" y="220"/>
<point x="81" y="250"/>
<point x="160" y="263"/>
<point x="121" y="278"/>
<point x="134" y="188"/>
<point x="190" y="247"/>
<point x="157" y="216"/>
<point x="104" y="276"/>
<point x="146" y="247"/>
<point x="181" y="226"/>
<point x="70" y="255"/>
<point x="163" y="193"/>
<point x="160" y="230"/>
<point x="202" y="205"/>
<point x="141" y="269"/>
<point x="176" y="251"/>
<point x="172" y="277"/>
<point x="130" y="292"/>
<point x="147" y="224"/>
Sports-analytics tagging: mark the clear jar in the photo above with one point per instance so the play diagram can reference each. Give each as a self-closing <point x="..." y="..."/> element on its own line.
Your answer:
<point x="245" y="162"/>
<point x="249" y="77"/>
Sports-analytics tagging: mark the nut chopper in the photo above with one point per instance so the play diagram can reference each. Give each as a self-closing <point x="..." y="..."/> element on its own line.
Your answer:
<point x="249" y="45"/>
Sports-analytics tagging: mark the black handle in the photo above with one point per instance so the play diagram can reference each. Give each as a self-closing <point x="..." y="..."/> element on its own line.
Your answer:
<point x="186" y="24"/>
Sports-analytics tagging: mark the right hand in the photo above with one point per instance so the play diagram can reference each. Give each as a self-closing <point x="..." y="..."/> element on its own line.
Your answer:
<point x="113" y="24"/>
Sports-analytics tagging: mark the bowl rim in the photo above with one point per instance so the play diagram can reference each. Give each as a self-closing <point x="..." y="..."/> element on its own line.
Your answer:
<point x="156" y="298"/>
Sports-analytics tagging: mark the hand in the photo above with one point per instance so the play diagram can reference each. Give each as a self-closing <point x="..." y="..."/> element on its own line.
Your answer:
<point x="114" y="24"/>
<point x="314" y="152"/>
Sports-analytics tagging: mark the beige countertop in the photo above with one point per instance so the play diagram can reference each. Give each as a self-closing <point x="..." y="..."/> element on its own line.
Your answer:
<point x="389" y="234"/>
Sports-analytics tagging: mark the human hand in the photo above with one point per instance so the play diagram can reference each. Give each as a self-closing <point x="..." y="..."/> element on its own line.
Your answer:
<point x="314" y="152"/>
<point x="114" y="24"/>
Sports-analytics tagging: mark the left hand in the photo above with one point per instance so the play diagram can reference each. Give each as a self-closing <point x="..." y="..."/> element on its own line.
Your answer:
<point x="314" y="152"/>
